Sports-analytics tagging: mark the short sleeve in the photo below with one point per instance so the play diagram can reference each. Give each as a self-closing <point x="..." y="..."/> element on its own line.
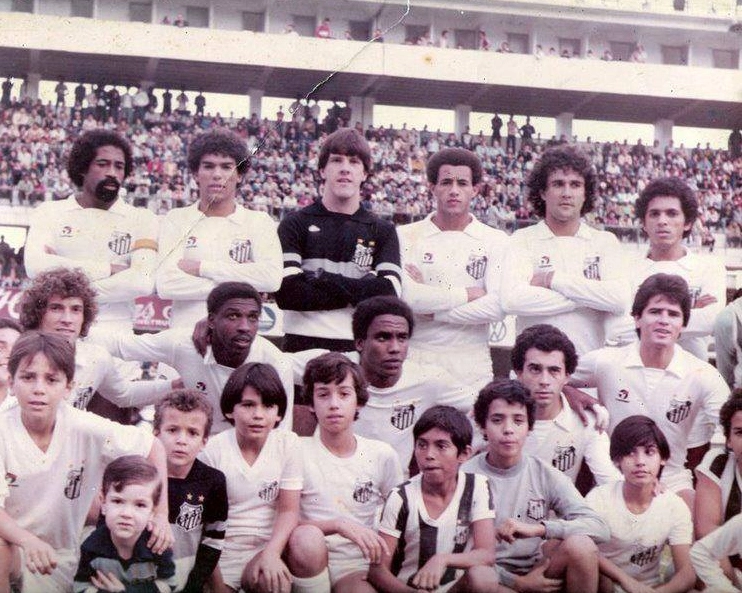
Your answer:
<point x="682" y="528"/>
<point x="390" y="516"/>
<point x="292" y="476"/>
<point x="483" y="501"/>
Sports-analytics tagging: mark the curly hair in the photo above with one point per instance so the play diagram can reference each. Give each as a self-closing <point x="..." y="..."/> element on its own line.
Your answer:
<point x="546" y="338"/>
<point x="85" y="149"/>
<point x="561" y="158"/>
<point x="222" y="142"/>
<point x="456" y="157"/>
<point x="60" y="282"/>
<point x="672" y="187"/>
<point x="729" y="409"/>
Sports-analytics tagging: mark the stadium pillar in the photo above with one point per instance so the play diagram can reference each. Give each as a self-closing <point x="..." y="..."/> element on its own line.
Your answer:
<point x="256" y="101"/>
<point x="31" y="90"/>
<point x="663" y="132"/>
<point x="564" y="125"/>
<point x="461" y="118"/>
<point x="362" y="110"/>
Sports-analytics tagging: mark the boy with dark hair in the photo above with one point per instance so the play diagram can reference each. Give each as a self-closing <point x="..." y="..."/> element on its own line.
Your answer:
<point x="346" y="479"/>
<point x="535" y="502"/>
<point x="543" y="359"/>
<point x="452" y="264"/>
<point x="115" y="557"/>
<point x="53" y="457"/>
<point x="667" y="208"/>
<point x="642" y="520"/>
<point x="335" y="253"/>
<point x="197" y="493"/>
<point x="561" y="271"/>
<point x="439" y="525"/>
<point x="216" y="239"/>
<point x="657" y="378"/>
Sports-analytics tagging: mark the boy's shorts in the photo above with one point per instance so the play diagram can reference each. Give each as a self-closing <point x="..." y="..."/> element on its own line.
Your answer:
<point x="343" y="560"/>
<point x="236" y="554"/>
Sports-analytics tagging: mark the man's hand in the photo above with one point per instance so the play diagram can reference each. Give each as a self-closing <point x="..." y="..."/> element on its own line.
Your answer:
<point x="106" y="581"/>
<point x="474" y="292"/>
<point x="201" y="336"/>
<point x="190" y="266"/>
<point x="371" y="543"/>
<point x="40" y="556"/>
<point x="580" y="401"/>
<point x="430" y="575"/>
<point x="414" y="272"/>
<point x="537" y="582"/>
<point x="542" y="277"/>
<point x="512" y="529"/>
<point x="704" y="301"/>
<point x="162" y="535"/>
<point x="273" y="571"/>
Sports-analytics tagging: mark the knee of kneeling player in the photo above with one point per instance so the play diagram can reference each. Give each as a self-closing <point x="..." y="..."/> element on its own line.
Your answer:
<point x="306" y="551"/>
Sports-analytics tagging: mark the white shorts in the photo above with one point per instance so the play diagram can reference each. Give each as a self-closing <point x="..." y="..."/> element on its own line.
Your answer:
<point x="236" y="554"/>
<point x="344" y="559"/>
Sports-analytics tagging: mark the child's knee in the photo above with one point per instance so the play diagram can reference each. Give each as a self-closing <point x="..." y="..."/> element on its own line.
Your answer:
<point x="577" y="547"/>
<point x="306" y="552"/>
<point x="482" y="579"/>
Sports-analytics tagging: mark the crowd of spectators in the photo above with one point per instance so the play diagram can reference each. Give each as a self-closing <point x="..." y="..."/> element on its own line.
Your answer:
<point x="34" y="139"/>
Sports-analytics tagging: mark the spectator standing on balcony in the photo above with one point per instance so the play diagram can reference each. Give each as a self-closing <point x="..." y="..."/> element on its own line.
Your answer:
<point x="638" y="55"/>
<point x="451" y="279"/>
<point x="127" y="105"/>
<point x="215" y="240"/>
<point x="113" y="99"/>
<point x="141" y="102"/>
<point x="335" y="253"/>
<point x="526" y="133"/>
<point x="512" y="128"/>
<point x="443" y="41"/>
<point x="200" y="103"/>
<point x="496" y="124"/>
<point x="79" y="95"/>
<point x="560" y="271"/>
<point x="167" y="102"/>
<point x="7" y="87"/>
<point x="114" y="243"/>
<point x="61" y="91"/>
<point x="323" y="30"/>
<point x="484" y="43"/>
<point x="182" y="100"/>
<point x="735" y="144"/>
<point x="180" y="21"/>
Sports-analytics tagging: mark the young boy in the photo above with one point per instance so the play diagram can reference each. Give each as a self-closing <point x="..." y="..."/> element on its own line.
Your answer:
<point x="346" y="479"/>
<point x="53" y="457"/>
<point x="641" y="520"/>
<point x="264" y="481"/>
<point x="439" y="525"/>
<point x="115" y="557"/>
<point x="197" y="493"/>
<point x="528" y="490"/>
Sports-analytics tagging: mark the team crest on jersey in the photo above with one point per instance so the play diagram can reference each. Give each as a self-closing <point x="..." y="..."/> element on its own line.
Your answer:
<point x="644" y="555"/>
<point x="363" y="490"/>
<point x="695" y="292"/>
<point x="623" y="395"/>
<point x="476" y="266"/>
<point x="591" y="267"/>
<point x="191" y="242"/>
<point x="120" y="242"/>
<point x="73" y="486"/>
<point x="10" y="480"/>
<point x="403" y="416"/>
<point x="564" y="458"/>
<point x="364" y="254"/>
<point x="189" y="516"/>
<point x="268" y="491"/>
<point x="201" y="386"/>
<point x="678" y="411"/>
<point x="241" y="250"/>
<point x="83" y="397"/>
<point x="427" y="257"/>
<point x="536" y="509"/>
<point x="544" y="261"/>
<point x="66" y="231"/>
<point x="462" y="535"/>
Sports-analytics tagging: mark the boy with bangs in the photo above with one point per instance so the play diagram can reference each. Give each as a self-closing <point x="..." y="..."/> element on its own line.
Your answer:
<point x="53" y="457"/>
<point x="115" y="556"/>
<point x="197" y="492"/>
<point x="264" y="481"/>
<point x="346" y="479"/>
<point x="642" y="519"/>
<point x="535" y="502"/>
<point x="335" y="253"/>
<point x="439" y="525"/>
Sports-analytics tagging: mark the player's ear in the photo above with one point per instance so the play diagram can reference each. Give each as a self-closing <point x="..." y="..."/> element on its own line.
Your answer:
<point x="465" y="454"/>
<point x="359" y="344"/>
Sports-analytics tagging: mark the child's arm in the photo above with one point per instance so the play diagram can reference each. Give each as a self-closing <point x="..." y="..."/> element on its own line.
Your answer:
<point x="269" y="562"/>
<point x="39" y="556"/>
<point x="380" y="574"/>
<point x="371" y="544"/>
<point x="165" y="581"/>
<point x="706" y="553"/>
<point x="684" y="577"/>
<point x="162" y="534"/>
<point x="482" y="554"/>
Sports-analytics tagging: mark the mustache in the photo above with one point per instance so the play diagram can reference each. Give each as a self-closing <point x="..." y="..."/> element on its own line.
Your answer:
<point x="107" y="194"/>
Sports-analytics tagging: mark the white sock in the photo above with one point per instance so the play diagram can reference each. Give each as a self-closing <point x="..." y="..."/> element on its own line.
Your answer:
<point x="317" y="584"/>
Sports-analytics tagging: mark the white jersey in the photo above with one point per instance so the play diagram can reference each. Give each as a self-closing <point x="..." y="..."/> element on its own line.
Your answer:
<point x="565" y="441"/>
<point x="242" y="247"/>
<point x="589" y="284"/>
<point x="419" y="536"/>
<point x="705" y="554"/>
<point x="95" y="370"/>
<point x="49" y="493"/>
<point x="252" y="490"/>
<point x="637" y="540"/>
<point x="353" y="487"/>
<point x="704" y="275"/>
<point x="721" y="468"/>
<point x="686" y="395"/>
<point x="175" y="348"/>
<point x="93" y="239"/>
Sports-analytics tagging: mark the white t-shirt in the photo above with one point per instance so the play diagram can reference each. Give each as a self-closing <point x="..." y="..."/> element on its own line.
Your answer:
<point x="354" y="487"/>
<point x="637" y="540"/>
<point x="93" y="239"/>
<point x="241" y="247"/>
<point x="252" y="490"/>
<point x="590" y="282"/>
